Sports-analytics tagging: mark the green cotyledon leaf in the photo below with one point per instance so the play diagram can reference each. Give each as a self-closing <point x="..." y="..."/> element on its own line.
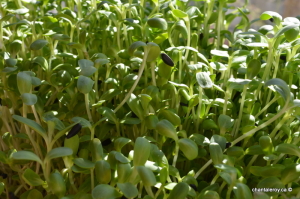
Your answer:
<point x="166" y="128"/>
<point x="141" y="151"/>
<point x="189" y="148"/>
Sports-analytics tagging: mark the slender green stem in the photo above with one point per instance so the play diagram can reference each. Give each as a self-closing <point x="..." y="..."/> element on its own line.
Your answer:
<point x="222" y="186"/>
<point x="153" y="73"/>
<point x="282" y="121"/>
<point x="140" y="190"/>
<point x="118" y="129"/>
<point x="92" y="133"/>
<point x="119" y="35"/>
<point x="47" y="168"/>
<point x="51" y="98"/>
<point x="2" y="46"/>
<point x="93" y="4"/>
<point x="226" y="77"/>
<point x="87" y="106"/>
<point x="250" y="164"/>
<point x="276" y="63"/>
<point x="235" y="131"/>
<point x="146" y="75"/>
<point x="149" y="191"/>
<point x="186" y="118"/>
<point x="188" y="26"/>
<point x="199" y="109"/>
<point x="108" y="69"/>
<point x="96" y="84"/>
<point x="71" y="177"/>
<point x="72" y="32"/>
<point x="219" y="23"/>
<point x="229" y="191"/>
<point x="202" y="168"/>
<point x="34" y="144"/>
<point x="79" y="9"/>
<point x="18" y="189"/>
<point x="268" y="68"/>
<point x="35" y="115"/>
<point x="180" y="67"/>
<point x="170" y="38"/>
<point x="215" y="179"/>
<point x="208" y="7"/>
<point x="92" y="179"/>
<point x="176" y="155"/>
<point x="159" y="190"/>
<point x="135" y="83"/>
<point x="267" y="106"/>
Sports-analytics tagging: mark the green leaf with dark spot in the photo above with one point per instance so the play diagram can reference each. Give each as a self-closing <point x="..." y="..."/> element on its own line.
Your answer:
<point x="204" y="80"/>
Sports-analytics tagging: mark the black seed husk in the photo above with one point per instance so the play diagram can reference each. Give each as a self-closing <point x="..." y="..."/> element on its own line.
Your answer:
<point x="201" y="36"/>
<point x="37" y="88"/>
<point x="283" y="57"/>
<point x="183" y="104"/>
<point x="106" y="142"/>
<point x="3" y="175"/>
<point x="228" y="144"/>
<point x="12" y="196"/>
<point x="167" y="60"/>
<point x="75" y="129"/>
<point x="271" y="19"/>
<point x="194" y="187"/>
